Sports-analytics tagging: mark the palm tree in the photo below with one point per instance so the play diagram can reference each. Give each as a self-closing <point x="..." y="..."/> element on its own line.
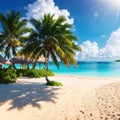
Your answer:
<point x="52" y="38"/>
<point x="12" y="34"/>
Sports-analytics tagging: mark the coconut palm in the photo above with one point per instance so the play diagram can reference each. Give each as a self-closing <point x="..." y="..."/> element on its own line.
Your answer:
<point x="12" y="34"/>
<point x="52" y="38"/>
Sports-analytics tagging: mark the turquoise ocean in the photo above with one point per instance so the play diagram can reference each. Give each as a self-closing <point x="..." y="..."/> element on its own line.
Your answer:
<point x="88" y="69"/>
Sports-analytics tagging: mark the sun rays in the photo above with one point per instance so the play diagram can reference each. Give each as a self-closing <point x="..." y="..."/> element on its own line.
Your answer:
<point x="113" y="6"/>
<point x="113" y="3"/>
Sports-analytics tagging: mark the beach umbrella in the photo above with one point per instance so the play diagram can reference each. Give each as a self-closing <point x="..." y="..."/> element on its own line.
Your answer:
<point x="41" y="60"/>
<point x="20" y="60"/>
<point x="2" y="60"/>
<point x="8" y="62"/>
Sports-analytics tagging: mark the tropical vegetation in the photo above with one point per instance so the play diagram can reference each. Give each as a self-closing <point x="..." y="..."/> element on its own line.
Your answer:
<point x="49" y="37"/>
<point x="12" y="34"/>
<point x="52" y="38"/>
<point x="10" y="75"/>
<point x="54" y="83"/>
<point x="33" y="73"/>
<point x="117" y="61"/>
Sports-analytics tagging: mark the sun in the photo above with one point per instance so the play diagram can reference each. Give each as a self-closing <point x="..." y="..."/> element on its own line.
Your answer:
<point x="113" y="3"/>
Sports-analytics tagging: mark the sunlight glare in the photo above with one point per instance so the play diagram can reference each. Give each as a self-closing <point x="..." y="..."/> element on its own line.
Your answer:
<point x="114" y="3"/>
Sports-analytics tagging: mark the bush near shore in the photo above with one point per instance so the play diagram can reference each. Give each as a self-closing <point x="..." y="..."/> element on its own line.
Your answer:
<point x="34" y="73"/>
<point x="7" y="76"/>
<point x="10" y="75"/>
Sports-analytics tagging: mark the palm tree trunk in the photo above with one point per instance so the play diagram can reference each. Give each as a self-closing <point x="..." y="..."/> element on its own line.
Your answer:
<point x="46" y="62"/>
<point x="46" y="77"/>
<point x="34" y="65"/>
<point x="28" y="66"/>
<point x="14" y="66"/>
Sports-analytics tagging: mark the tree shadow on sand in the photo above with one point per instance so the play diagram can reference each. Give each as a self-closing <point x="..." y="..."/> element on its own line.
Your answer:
<point x="21" y="95"/>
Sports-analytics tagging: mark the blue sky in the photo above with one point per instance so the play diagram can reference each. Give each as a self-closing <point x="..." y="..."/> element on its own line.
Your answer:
<point x="96" y="22"/>
<point x="92" y="19"/>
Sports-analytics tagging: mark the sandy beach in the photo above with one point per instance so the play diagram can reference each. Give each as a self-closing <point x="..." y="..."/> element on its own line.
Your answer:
<point x="81" y="98"/>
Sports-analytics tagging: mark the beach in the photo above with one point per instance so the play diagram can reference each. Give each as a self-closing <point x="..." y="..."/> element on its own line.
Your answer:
<point x="81" y="98"/>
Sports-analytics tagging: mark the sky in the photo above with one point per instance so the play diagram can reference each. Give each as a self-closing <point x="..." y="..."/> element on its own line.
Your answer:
<point x="96" y="23"/>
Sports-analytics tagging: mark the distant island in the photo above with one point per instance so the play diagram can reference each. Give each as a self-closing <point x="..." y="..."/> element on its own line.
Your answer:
<point x="117" y="61"/>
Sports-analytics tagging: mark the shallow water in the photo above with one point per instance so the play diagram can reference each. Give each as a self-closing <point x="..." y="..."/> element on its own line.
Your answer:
<point x="90" y="69"/>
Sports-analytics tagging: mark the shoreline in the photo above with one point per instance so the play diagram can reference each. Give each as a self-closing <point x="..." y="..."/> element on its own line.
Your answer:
<point x="89" y="77"/>
<point x="84" y="76"/>
<point x="81" y="98"/>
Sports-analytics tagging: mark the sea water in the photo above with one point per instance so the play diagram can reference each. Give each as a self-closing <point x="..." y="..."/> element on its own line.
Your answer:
<point x="90" y="69"/>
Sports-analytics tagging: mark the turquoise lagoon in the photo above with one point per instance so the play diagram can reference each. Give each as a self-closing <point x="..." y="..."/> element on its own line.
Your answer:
<point x="90" y="69"/>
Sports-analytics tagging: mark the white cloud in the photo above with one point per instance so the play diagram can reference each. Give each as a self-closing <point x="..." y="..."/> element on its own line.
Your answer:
<point x="111" y="51"/>
<point x="88" y="51"/>
<point x="41" y="7"/>
<point x="112" y="48"/>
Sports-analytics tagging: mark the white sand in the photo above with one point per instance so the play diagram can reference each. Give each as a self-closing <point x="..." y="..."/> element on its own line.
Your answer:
<point x="80" y="98"/>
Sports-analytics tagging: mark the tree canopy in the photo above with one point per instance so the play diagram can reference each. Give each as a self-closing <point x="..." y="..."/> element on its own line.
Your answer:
<point x="52" y="38"/>
<point x="11" y="36"/>
<point x="49" y="37"/>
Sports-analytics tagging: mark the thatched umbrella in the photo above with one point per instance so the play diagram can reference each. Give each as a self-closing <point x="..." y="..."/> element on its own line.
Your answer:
<point x="41" y="60"/>
<point x="2" y="61"/>
<point x="8" y="62"/>
<point x="20" y="60"/>
<point x="25" y="61"/>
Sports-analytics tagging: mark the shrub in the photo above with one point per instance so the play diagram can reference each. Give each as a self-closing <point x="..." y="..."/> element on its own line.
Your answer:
<point x="34" y="73"/>
<point x="7" y="76"/>
<point x="21" y="72"/>
<point x="54" y="83"/>
<point x="10" y="75"/>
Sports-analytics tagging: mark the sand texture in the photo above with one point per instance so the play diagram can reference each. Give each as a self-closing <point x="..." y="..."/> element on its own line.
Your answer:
<point x="81" y="98"/>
